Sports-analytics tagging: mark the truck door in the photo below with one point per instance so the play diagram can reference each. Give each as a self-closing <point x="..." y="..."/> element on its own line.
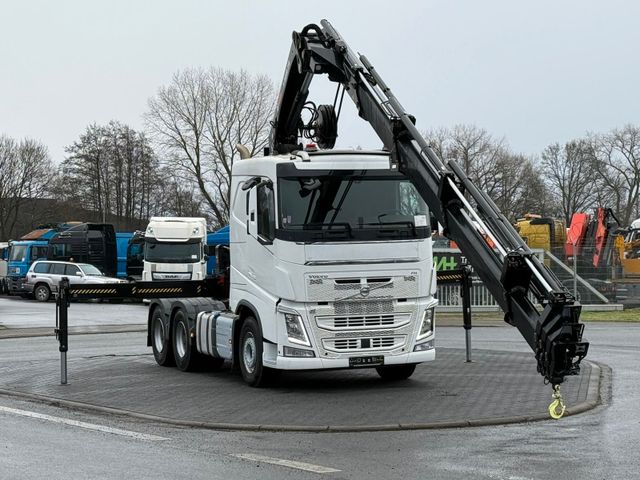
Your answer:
<point x="38" y="252"/>
<point x="261" y="229"/>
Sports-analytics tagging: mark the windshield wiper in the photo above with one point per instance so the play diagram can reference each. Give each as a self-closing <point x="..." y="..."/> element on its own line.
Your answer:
<point x="326" y="230"/>
<point x="394" y="229"/>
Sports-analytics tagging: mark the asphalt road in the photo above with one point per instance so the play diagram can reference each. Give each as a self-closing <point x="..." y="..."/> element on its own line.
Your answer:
<point x="601" y="444"/>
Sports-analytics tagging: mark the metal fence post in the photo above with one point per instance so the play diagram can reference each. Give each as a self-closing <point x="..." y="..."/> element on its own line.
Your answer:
<point x="465" y="289"/>
<point x="62" y="326"/>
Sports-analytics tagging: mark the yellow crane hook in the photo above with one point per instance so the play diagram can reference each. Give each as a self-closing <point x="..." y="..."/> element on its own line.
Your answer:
<point x="557" y="407"/>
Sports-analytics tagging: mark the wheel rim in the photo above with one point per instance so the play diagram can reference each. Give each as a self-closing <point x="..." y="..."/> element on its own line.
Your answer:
<point x="181" y="340"/>
<point x="249" y="353"/>
<point x="158" y="335"/>
<point x="41" y="293"/>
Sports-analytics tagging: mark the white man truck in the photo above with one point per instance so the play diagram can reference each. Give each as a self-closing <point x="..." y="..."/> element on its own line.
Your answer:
<point x="175" y="249"/>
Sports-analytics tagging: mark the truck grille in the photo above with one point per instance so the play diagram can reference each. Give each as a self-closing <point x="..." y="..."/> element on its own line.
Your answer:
<point x="363" y="344"/>
<point x="363" y="307"/>
<point x="370" y="321"/>
<point x="345" y="322"/>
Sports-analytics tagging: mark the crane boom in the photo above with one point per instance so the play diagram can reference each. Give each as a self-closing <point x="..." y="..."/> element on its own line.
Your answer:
<point x="505" y="264"/>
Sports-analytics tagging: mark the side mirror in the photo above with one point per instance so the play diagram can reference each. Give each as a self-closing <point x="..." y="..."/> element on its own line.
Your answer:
<point x="79" y="274"/>
<point x="249" y="184"/>
<point x="206" y="257"/>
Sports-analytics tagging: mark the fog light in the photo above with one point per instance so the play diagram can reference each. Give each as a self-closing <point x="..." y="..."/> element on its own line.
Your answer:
<point x="421" y="347"/>
<point x="298" y="352"/>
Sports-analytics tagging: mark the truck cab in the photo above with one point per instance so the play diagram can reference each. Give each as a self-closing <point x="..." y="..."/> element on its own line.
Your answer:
<point x="93" y="243"/>
<point x="4" y="258"/>
<point x="22" y="253"/>
<point x="174" y="249"/>
<point x="331" y="256"/>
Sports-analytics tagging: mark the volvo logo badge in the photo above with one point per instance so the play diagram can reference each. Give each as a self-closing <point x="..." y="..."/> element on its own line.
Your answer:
<point x="364" y="290"/>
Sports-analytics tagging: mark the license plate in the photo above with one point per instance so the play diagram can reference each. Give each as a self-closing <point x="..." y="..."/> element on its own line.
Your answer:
<point x="366" y="361"/>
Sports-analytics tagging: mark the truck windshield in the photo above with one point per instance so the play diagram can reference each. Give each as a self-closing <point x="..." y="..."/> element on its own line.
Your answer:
<point x="167" y="252"/>
<point x="366" y="205"/>
<point x="18" y="253"/>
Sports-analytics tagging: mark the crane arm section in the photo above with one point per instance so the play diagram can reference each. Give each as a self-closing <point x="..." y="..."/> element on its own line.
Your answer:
<point x="508" y="268"/>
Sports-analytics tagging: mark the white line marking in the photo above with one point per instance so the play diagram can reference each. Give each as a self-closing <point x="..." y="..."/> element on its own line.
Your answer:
<point x="88" y="426"/>
<point x="309" y="467"/>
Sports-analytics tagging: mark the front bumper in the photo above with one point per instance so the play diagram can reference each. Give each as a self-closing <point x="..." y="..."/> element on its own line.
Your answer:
<point x="339" y="331"/>
<point x="295" y="363"/>
<point x="18" y="285"/>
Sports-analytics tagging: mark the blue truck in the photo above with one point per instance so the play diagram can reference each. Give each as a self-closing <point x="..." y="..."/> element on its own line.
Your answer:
<point x="81" y="242"/>
<point x="22" y="253"/>
<point x="130" y="247"/>
<point x="215" y="241"/>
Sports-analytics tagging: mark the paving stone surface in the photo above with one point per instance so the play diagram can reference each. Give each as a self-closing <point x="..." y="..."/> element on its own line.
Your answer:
<point x="496" y="384"/>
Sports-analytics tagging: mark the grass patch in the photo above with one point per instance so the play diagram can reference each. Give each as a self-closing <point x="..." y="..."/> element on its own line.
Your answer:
<point x="628" y="315"/>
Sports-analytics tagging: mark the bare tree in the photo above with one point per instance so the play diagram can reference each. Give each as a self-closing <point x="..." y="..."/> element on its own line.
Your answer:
<point x="25" y="172"/>
<point x="112" y="171"/>
<point x="199" y="118"/>
<point x="571" y="174"/>
<point x="618" y="166"/>
<point x="501" y="174"/>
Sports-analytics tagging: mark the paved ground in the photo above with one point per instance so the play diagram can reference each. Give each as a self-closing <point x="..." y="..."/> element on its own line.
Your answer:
<point x="118" y="371"/>
<point x="598" y="444"/>
<point x="19" y="313"/>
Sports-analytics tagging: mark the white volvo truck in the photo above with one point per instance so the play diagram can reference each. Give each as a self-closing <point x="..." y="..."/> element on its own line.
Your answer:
<point x="331" y="267"/>
<point x="174" y="249"/>
<point x="331" y="263"/>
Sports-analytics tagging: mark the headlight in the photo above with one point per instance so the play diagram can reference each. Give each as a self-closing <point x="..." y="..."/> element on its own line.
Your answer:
<point x="295" y="329"/>
<point x="426" y="326"/>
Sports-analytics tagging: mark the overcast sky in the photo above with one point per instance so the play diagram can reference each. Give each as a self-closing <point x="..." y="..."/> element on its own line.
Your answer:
<point x="534" y="72"/>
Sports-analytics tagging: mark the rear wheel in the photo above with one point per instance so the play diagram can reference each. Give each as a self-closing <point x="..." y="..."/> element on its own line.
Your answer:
<point x="396" y="372"/>
<point x="161" y="340"/>
<point x="254" y="373"/>
<point x="185" y="352"/>
<point x="42" y="293"/>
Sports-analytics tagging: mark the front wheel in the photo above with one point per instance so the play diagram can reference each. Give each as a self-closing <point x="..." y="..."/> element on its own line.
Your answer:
<point x="250" y="352"/>
<point x="396" y="372"/>
<point x="42" y="293"/>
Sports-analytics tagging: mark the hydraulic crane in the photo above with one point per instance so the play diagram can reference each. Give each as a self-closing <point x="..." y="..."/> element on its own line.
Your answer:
<point x="498" y="255"/>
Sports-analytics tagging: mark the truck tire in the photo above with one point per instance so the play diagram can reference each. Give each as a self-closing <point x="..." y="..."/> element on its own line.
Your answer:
<point x="254" y="373"/>
<point x="42" y="293"/>
<point x="161" y="340"/>
<point x="185" y="352"/>
<point x="396" y="372"/>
